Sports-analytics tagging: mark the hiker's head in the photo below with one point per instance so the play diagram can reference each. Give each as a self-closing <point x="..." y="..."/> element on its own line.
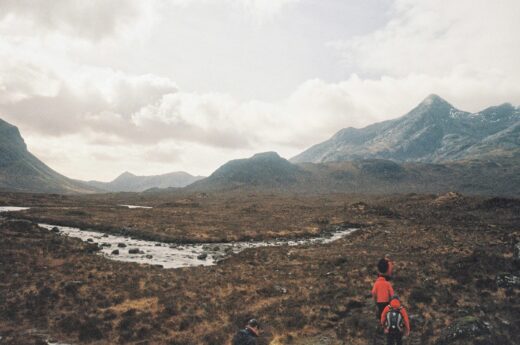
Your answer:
<point x="254" y="325"/>
<point x="394" y="302"/>
<point x="382" y="266"/>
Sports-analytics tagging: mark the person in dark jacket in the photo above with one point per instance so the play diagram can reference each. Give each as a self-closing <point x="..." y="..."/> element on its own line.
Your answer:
<point x="248" y="335"/>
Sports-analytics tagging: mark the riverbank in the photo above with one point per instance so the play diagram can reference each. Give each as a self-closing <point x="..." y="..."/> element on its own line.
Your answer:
<point x="189" y="219"/>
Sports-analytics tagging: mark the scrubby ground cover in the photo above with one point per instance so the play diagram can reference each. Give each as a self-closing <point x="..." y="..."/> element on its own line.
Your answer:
<point x="455" y="272"/>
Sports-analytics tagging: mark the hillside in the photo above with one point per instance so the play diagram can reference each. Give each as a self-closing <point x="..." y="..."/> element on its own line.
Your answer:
<point x="264" y="170"/>
<point x="433" y="132"/>
<point x="270" y="172"/>
<point x="22" y="172"/>
<point x="128" y="182"/>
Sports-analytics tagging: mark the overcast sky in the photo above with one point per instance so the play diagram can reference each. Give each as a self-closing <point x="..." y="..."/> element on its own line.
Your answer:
<point x="106" y="86"/>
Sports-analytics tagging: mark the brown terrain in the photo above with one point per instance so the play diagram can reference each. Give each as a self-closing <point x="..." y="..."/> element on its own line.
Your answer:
<point x="457" y="269"/>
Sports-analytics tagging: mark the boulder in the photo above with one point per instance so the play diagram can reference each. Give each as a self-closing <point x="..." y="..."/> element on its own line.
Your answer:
<point x="133" y="251"/>
<point x="202" y="256"/>
<point x="465" y="329"/>
<point x="516" y="252"/>
<point x="506" y="280"/>
<point x="121" y="245"/>
<point x="115" y="252"/>
<point x="55" y="229"/>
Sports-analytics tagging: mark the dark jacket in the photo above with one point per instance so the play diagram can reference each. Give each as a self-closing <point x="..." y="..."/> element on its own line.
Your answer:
<point x="245" y="337"/>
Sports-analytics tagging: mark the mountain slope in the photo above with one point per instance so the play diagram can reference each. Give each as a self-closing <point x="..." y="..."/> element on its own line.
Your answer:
<point x="21" y="171"/>
<point x="268" y="172"/>
<point x="264" y="170"/>
<point x="128" y="182"/>
<point x="433" y="132"/>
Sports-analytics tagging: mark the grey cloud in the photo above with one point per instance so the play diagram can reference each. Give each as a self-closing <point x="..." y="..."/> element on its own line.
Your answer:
<point x="108" y="120"/>
<point x="92" y="19"/>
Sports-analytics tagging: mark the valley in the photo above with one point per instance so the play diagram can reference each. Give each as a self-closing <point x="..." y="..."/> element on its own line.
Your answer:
<point x="455" y="269"/>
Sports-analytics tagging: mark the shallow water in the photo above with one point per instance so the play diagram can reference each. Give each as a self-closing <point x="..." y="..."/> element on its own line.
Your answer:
<point x="135" y="206"/>
<point x="12" y="208"/>
<point x="173" y="255"/>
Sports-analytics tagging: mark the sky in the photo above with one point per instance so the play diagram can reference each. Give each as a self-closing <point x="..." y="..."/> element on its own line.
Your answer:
<point x="105" y="86"/>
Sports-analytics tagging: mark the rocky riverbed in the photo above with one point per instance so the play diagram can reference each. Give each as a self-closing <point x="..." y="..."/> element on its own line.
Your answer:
<point x="168" y="255"/>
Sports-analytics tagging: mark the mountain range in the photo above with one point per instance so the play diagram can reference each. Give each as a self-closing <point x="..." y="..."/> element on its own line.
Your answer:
<point x="268" y="172"/>
<point x="433" y="132"/>
<point x="433" y="148"/>
<point x="128" y="182"/>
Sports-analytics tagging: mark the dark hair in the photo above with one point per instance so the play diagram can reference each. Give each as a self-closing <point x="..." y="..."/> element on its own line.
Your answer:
<point x="253" y="323"/>
<point x="382" y="266"/>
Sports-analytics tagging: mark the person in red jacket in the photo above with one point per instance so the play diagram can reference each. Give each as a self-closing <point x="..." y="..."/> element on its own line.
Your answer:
<point x="390" y="270"/>
<point x="382" y="292"/>
<point x="393" y="319"/>
<point x="385" y="266"/>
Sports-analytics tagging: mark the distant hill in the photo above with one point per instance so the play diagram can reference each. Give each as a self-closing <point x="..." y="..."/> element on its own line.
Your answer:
<point x="432" y="132"/>
<point x="22" y="172"/>
<point x="128" y="182"/>
<point x="264" y="170"/>
<point x="268" y="172"/>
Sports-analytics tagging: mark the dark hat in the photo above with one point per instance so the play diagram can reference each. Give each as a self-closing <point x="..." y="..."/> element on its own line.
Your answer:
<point x="253" y="323"/>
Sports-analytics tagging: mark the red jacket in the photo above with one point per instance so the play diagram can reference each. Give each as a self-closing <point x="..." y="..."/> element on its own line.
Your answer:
<point x="395" y="304"/>
<point x="382" y="290"/>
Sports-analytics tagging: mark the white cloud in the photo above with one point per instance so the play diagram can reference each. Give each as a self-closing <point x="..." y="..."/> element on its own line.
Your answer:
<point x="438" y="38"/>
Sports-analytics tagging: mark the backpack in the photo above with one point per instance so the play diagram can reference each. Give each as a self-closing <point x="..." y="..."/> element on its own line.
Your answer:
<point x="394" y="320"/>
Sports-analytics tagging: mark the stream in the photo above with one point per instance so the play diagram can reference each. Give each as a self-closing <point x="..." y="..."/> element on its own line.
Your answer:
<point x="168" y="255"/>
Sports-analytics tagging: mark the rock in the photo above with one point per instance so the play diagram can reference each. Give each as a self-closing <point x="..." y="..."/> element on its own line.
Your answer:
<point x="115" y="252"/>
<point x="468" y="327"/>
<point x="90" y="240"/>
<point x="55" y="229"/>
<point x="133" y="251"/>
<point x="506" y="280"/>
<point x="73" y="286"/>
<point x="106" y="245"/>
<point x="149" y="256"/>
<point x="280" y="289"/>
<point x="516" y="252"/>
<point x="158" y="244"/>
<point x="121" y="245"/>
<point x="202" y="256"/>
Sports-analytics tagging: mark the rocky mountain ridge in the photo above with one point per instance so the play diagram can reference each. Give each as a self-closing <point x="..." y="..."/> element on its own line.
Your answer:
<point x="433" y="132"/>
<point x="21" y="171"/>
<point x="270" y="172"/>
